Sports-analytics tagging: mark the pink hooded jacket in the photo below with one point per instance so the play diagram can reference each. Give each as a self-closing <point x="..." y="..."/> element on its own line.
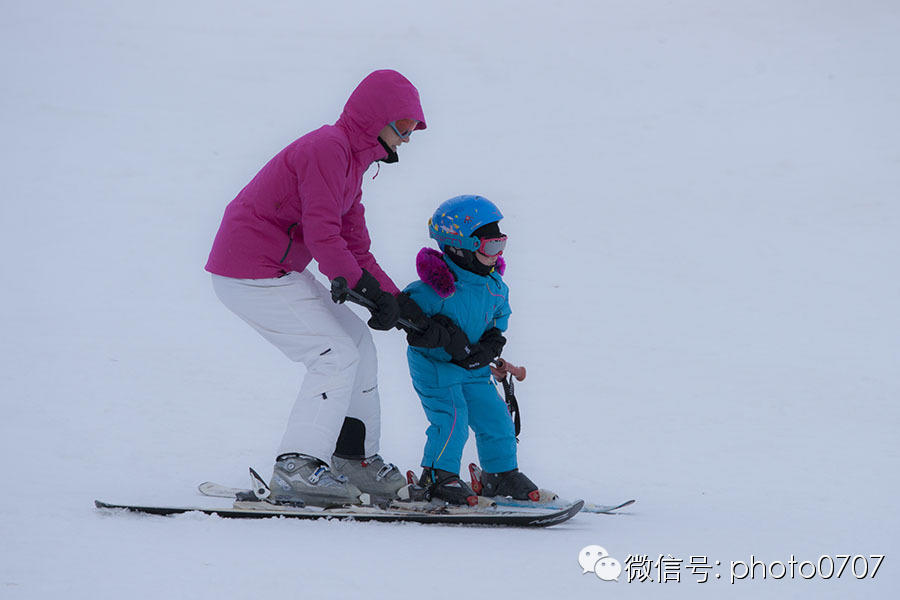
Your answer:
<point x="305" y="203"/>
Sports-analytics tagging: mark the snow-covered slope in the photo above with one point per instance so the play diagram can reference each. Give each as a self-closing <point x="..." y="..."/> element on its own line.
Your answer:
<point x="702" y="203"/>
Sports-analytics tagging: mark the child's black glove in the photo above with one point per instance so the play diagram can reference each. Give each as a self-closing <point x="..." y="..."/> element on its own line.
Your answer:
<point x="456" y="344"/>
<point x="484" y="352"/>
<point x="430" y="335"/>
<point x="493" y="341"/>
<point x="440" y="331"/>
<point x="411" y="311"/>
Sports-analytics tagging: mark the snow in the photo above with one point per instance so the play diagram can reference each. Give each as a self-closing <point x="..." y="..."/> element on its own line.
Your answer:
<point x="701" y="199"/>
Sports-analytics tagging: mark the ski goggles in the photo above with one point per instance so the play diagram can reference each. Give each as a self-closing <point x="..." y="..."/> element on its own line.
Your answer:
<point x="492" y="246"/>
<point x="408" y="126"/>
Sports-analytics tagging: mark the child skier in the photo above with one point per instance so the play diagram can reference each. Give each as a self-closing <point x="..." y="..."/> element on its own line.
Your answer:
<point x="466" y="309"/>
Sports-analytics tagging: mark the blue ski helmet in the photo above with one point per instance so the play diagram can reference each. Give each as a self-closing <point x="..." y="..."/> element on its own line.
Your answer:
<point x="456" y="219"/>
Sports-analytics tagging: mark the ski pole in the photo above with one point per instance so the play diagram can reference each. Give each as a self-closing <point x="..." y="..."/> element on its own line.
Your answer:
<point x="341" y="292"/>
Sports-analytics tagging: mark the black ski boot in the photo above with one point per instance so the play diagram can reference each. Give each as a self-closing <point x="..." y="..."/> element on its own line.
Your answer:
<point x="447" y="486"/>
<point x="509" y="483"/>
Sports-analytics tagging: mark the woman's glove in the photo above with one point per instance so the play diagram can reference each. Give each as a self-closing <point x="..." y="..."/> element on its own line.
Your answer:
<point x="386" y="310"/>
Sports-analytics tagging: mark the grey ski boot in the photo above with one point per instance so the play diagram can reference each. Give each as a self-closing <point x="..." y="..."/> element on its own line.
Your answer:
<point x="306" y="480"/>
<point x="372" y="475"/>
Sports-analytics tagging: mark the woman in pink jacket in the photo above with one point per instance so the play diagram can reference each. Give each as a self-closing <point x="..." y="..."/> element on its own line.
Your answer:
<point x="305" y="205"/>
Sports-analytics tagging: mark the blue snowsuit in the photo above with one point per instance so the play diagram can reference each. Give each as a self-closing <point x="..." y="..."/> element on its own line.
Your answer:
<point x="454" y="398"/>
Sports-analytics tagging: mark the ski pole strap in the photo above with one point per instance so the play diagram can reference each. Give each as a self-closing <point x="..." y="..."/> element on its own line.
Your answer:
<point x="512" y="404"/>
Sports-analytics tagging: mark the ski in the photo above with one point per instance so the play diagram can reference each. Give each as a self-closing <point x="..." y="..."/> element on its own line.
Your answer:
<point x="589" y="507"/>
<point x="547" y="499"/>
<point x="215" y="490"/>
<point x="428" y="513"/>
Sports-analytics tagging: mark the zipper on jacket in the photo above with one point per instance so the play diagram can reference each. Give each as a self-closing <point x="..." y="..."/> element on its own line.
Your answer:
<point x="290" y="243"/>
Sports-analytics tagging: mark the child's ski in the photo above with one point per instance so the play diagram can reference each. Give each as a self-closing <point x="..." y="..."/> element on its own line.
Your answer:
<point x="589" y="507"/>
<point x="547" y="499"/>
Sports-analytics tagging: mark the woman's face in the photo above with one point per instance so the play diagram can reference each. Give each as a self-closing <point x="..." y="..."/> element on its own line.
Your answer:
<point x="391" y="136"/>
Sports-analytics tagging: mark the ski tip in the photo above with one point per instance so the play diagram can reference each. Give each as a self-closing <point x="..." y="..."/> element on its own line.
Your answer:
<point x="608" y="509"/>
<point x="626" y="503"/>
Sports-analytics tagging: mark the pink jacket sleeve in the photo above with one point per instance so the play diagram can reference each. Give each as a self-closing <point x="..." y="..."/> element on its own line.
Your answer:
<point x="356" y="234"/>
<point x="321" y="189"/>
<point x="339" y="242"/>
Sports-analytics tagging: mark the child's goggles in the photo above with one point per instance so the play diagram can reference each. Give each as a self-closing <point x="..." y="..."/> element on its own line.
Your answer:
<point x="450" y="237"/>
<point x="492" y="246"/>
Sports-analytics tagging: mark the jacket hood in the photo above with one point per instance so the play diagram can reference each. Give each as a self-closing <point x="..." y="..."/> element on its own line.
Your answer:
<point x="434" y="271"/>
<point x="382" y="97"/>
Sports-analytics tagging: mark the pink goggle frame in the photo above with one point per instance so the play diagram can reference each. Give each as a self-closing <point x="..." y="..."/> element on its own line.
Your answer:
<point x="492" y="246"/>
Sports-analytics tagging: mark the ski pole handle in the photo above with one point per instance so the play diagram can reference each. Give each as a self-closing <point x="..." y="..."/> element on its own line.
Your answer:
<point x="341" y="292"/>
<point x="504" y="366"/>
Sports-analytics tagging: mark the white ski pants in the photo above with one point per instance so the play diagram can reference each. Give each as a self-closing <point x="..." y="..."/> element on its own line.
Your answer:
<point x="297" y="315"/>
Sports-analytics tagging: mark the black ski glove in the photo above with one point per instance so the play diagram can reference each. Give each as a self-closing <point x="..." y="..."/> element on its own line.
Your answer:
<point x="386" y="310"/>
<point x="430" y="335"/>
<point x="484" y="352"/>
<point x="412" y="312"/>
<point x="493" y="341"/>
<point x="438" y="331"/>
<point x="456" y="343"/>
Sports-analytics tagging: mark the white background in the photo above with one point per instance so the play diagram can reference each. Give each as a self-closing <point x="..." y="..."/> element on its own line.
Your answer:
<point x="702" y="204"/>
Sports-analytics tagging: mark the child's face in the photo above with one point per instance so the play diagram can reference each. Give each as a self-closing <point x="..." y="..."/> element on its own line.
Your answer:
<point x="486" y="260"/>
